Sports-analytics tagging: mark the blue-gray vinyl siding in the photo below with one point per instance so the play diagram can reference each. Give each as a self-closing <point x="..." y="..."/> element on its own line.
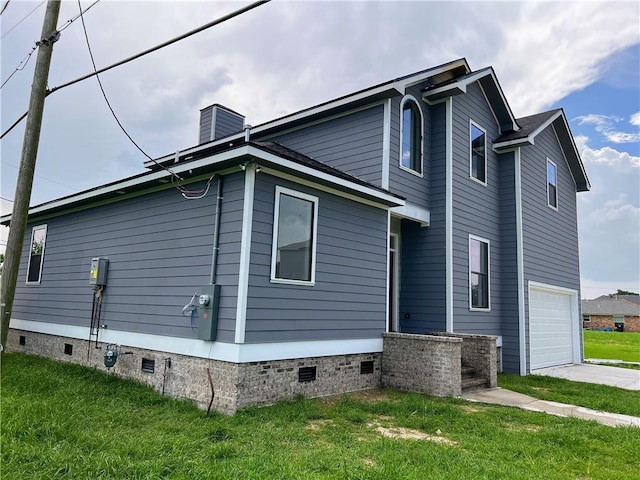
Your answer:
<point x="550" y="236"/>
<point x="402" y="182"/>
<point x="423" y="251"/>
<point x="351" y="143"/>
<point x="476" y="211"/>
<point x="509" y="264"/>
<point x="348" y="299"/>
<point x="159" y="247"/>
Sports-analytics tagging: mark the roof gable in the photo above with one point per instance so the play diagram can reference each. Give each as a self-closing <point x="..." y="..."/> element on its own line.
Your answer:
<point x="532" y="126"/>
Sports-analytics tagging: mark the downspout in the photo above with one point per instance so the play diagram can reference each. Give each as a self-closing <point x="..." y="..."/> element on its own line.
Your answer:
<point x="216" y="233"/>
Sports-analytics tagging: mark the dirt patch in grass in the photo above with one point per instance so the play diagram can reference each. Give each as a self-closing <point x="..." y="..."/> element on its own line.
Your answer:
<point x="409" y="434"/>
<point x="375" y="395"/>
<point x="473" y="409"/>
<point x="523" y="428"/>
<point x="317" y="425"/>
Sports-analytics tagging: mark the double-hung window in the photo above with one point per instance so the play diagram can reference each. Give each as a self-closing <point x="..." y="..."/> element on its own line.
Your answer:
<point x="478" y="149"/>
<point x="552" y="184"/>
<point x="36" y="253"/>
<point x="479" y="273"/>
<point x="293" y="254"/>
<point x="411" y="136"/>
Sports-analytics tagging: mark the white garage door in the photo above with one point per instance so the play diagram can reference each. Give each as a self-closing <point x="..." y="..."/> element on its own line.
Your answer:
<point x="550" y="328"/>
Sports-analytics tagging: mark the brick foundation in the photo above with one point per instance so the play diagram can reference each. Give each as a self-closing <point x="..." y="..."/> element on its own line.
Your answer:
<point x="237" y="385"/>
<point x="422" y="363"/>
<point x="479" y="352"/>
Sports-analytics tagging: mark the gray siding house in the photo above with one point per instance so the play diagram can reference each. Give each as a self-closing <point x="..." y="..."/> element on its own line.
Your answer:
<point x="273" y="260"/>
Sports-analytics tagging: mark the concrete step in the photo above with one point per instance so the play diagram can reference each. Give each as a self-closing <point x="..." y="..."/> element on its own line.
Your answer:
<point x="467" y="370"/>
<point x="472" y="383"/>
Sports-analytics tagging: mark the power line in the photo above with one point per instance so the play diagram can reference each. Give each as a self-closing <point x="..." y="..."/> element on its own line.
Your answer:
<point x="20" y="67"/>
<point x="6" y="199"/>
<point x="25" y="60"/>
<point x="104" y="95"/>
<point x="146" y="52"/>
<point x="82" y="12"/>
<point x="5" y="6"/>
<point x="23" y="19"/>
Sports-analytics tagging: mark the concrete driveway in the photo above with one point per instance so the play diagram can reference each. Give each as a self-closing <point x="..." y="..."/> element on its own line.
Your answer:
<point x="602" y="374"/>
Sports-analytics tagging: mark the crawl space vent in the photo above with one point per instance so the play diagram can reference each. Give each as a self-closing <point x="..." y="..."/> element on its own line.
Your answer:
<point x="148" y="365"/>
<point x="306" y="374"/>
<point x="366" y="367"/>
<point x="23" y="340"/>
<point x="68" y="349"/>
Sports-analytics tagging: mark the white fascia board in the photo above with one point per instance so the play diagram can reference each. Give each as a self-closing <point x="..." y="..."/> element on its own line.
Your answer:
<point x="463" y="84"/>
<point x="413" y="212"/>
<point x="529" y="139"/>
<point x="243" y="150"/>
<point x="228" y="352"/>
<point x="132" y="182"/>
<point x="275" y="159"/>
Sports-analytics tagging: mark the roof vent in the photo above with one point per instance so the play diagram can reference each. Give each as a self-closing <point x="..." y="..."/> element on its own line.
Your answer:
<point x="217" y="121"/>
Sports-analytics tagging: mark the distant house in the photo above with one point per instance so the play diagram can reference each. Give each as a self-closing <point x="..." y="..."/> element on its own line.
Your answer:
<point x="276" y="260"/>
<point x="611" y="312"/>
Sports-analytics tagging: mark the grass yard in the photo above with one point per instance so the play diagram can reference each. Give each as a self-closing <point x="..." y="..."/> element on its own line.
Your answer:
<point x="63" y="421"/>
<point x="589" y="395"/>
<point x="612" y="345"/>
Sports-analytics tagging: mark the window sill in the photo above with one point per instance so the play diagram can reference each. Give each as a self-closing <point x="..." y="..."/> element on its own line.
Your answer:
<point x="284" y="281"/>
<point x="484" y="184"/>
<point x="478" y="309"/>
<point x="411" y="171"/>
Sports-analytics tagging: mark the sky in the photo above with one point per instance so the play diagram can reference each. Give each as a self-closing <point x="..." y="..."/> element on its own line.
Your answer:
<point x="285" y="56"/>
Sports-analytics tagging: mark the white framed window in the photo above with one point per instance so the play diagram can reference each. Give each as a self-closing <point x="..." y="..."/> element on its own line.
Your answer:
<point x="479" y="273"/>
<point x="36" y="253"/>
<point x="477" y="153"/>
<point x="411" y="128"/>
<point x="293" y="253"/>
<point x="552" y="184"/>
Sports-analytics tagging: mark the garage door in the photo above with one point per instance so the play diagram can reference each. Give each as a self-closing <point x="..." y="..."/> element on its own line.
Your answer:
<point x="550" y="327"/>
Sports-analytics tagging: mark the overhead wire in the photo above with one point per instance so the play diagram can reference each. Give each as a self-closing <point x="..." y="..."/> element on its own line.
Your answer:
<point x="186" y="193"/>
<point x="27" y="57"/>
<point x="5" y="6"/>
<point x="21" y="65"/>
<point x="145" y="52"/>
<point x="23" y="18"/>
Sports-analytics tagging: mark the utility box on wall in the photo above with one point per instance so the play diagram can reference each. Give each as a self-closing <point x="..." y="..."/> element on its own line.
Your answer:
<point x="98" y="275"/>
<point x="208" y="312"/>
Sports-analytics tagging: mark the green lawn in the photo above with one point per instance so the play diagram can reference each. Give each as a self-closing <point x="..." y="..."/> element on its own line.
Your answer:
<point x="589" y="395"/>
<point x="63" y="421"/>
<point x="612" y="345"/>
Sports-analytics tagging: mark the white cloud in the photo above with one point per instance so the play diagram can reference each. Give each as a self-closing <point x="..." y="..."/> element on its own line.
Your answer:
<point x="635" y="119"/>
<point x="609" y="221"/>
<point x="606" y="125"/>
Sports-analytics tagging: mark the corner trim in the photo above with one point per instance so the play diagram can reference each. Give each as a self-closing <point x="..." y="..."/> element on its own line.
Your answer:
<point x="522" y="341"/>
<point x="386" y="144"/>
<point x="245" y="252"/>
<point x="449" y="214"/>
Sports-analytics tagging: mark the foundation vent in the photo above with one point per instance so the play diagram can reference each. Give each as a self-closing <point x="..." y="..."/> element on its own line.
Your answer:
<point x="306" y="374"/>
<point x="366" y="367"/>
<point x="23" y="340"/>
<point x="68" y="349"/>
<point x="148" y="365"/>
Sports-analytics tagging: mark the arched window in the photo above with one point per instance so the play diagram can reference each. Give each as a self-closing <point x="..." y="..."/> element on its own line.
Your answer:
<point x="411" y="133"/>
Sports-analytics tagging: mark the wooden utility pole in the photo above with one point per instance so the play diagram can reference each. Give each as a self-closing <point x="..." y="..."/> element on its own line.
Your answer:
<point x="27" y="166"/>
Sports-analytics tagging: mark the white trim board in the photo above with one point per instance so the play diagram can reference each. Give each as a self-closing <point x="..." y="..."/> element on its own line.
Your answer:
<point x="228" y="352"/>
<point x="245" y="252"/>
